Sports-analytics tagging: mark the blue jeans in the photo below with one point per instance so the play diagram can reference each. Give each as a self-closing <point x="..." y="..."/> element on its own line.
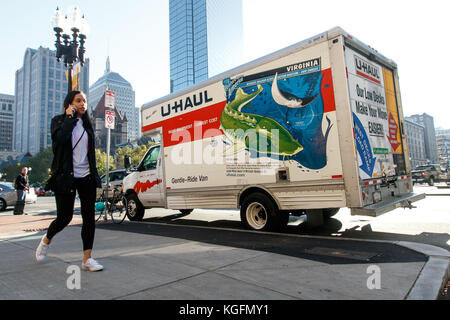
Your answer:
<point x="21" y="195"/>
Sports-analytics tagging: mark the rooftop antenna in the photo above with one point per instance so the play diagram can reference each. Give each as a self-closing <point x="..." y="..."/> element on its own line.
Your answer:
<point x="108" y="62"/>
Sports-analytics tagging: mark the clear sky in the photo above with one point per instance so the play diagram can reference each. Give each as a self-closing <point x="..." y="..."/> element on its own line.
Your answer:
<point x="135" y="34"/>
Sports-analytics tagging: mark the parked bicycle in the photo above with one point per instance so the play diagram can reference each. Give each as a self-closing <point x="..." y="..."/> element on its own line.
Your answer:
<point x="114" y="206"/>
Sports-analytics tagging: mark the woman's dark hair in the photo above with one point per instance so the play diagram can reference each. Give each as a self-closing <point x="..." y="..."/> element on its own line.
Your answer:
<point x="68" y="101"/>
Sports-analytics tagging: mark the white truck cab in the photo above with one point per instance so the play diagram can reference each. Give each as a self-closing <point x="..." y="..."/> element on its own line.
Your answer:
<point x="144" y="184"/>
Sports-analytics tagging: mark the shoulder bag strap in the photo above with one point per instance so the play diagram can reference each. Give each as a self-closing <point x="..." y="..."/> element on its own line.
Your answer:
<point x="79" y="140"/>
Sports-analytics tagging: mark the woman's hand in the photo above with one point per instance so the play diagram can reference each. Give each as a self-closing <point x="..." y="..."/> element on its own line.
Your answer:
<point x="70" y="111"/>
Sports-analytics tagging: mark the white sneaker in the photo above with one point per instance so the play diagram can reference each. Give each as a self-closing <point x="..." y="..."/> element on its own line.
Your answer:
<point x="91" y="265"/>
<point x="41" y="251"/>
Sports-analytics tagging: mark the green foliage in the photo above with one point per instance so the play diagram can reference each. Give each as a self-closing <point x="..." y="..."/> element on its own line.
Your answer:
<point x="10" y="172"/>
<point x="39" y="164"/>
<point x="135" y="154"/>
<point x="100" y="158"/>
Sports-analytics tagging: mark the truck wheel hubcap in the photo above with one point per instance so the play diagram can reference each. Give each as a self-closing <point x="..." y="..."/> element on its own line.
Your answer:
<point x="256" y="216"/>
<point x="131" y="207"/>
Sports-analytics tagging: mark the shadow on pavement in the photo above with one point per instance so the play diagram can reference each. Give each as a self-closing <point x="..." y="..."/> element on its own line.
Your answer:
<point x="329" y="229"/>
<point x="331" y="251"/>
<point x="332" y="227"/>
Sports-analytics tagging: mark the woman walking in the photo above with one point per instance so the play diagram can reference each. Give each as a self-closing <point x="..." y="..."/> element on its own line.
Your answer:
<point x="73" y="169"/>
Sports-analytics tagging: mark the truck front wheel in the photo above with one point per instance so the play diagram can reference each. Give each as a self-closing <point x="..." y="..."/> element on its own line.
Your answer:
<point x="134" y="208"/>
<point x="258" y="212"/>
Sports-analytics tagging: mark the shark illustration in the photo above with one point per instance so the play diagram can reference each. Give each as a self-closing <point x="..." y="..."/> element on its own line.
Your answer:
<point x="239" y="127"/>
<point x="288" y="99"/>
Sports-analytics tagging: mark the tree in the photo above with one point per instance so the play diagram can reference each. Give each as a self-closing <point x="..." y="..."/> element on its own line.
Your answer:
<point x="39" y="164"/>
<point x="100" y="158"/>
<point x="135" y="154"/>
<point x="10" y="172"/>
<point x="120" y="155"/>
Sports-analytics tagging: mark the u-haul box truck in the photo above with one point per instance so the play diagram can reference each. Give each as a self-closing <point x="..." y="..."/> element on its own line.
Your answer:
<point x="309" y="129"/>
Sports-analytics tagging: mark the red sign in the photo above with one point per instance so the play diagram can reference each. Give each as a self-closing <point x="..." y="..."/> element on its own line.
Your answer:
<point x="393" y="129"/>
<point x="109" y="119"/>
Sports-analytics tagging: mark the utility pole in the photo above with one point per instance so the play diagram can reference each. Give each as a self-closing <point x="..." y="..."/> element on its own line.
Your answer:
<point x="110" y="101"/>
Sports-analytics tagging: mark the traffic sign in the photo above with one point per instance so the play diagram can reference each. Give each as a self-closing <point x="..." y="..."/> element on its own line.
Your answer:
<point x="109" y="119"/>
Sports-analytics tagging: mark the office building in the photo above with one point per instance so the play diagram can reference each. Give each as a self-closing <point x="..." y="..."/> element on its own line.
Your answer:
<point x="415" y="136"/>
<point x="442" y="132"/>
<point x="124" y="98"/>
<point x="118" y="134"/>
<point x="206" y="38"/>
<point x="427" y="122"/>
<point x="40" y="89"/>
<point x="443" y="143"/>
<point x="6" y="122"/>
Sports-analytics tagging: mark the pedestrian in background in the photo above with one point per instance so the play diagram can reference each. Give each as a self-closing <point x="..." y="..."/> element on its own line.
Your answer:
<point x="21" y="186"/>
<point x="73" y="169"/>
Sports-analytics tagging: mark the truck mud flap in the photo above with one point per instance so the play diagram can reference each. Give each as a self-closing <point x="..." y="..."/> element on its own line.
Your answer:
<point x="378" y="209"/>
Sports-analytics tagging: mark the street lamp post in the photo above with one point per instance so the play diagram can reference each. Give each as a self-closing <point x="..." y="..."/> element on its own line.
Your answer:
<point x="74" y="31"/>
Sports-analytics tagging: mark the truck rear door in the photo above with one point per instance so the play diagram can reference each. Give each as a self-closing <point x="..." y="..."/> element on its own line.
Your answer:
<point x="378" y="133"/>
<point x="375" y="117"/>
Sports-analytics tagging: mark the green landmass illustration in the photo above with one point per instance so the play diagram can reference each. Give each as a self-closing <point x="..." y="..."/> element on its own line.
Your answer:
<point x="248" y="130"/>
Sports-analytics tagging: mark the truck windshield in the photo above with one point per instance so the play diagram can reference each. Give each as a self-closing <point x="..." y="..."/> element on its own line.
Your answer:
<point x="151" y="159"/>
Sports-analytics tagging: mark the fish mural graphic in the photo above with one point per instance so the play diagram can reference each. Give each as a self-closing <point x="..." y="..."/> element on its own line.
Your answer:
<point x="291" y="103"/>
<point x="287" y="99"/>
<point x="237" y="124"/>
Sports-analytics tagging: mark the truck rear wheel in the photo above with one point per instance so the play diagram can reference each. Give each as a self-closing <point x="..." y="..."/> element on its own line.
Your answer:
<point x="259" y="212"/>
<point x="431" y="181"/>
<point x="134" y="208"/>
<point x="329" y="212"/>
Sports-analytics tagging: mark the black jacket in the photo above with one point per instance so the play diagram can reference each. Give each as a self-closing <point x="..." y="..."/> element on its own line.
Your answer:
<point x="62" y="164"/>
<point x="21" y="182"/>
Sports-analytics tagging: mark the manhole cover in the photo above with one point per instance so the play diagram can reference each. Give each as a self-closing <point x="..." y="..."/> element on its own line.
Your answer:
<point x="349" y="254"/>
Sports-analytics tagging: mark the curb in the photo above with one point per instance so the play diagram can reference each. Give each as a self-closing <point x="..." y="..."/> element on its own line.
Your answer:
<point x="433" y="277"/>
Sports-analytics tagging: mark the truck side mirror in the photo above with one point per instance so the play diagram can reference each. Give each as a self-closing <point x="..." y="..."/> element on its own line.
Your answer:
<point x="127" y="162"/>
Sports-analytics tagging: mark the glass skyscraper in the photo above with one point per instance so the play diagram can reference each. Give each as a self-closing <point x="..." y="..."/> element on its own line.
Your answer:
<point x="124" y="98"/>
<point x="6" y="121"/>
<point x="40" y="89"/>
<point x="205" y="39"/>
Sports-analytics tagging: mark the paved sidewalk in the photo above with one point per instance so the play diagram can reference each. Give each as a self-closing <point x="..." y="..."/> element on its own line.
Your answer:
<point x="172" y="262"/>
<point x="27" y="223"/>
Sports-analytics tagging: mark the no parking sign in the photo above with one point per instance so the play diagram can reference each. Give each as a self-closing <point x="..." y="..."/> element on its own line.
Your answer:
<point x="110" y="100"/>
<point x="109" y="119"/>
